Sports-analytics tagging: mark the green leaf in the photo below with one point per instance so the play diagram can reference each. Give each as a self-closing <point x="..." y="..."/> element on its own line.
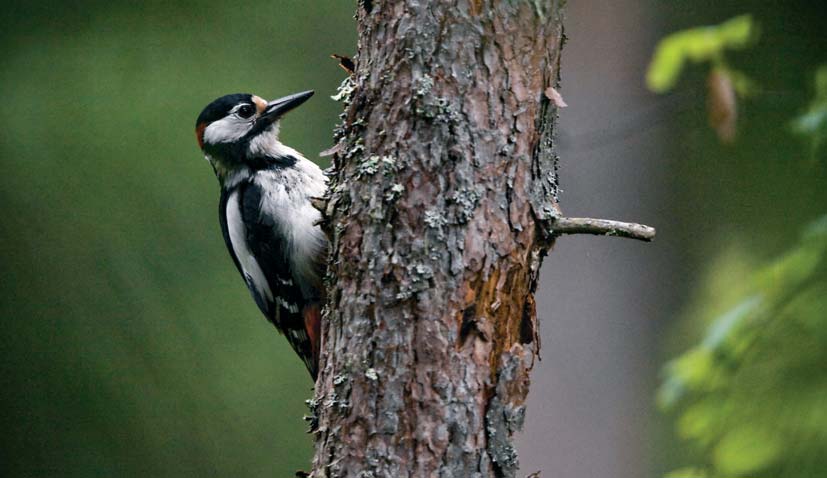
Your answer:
<point x="812" y="124"/>
<point x="697" y="45"/>
<point x="699" y="420"/>
<point x="753" y="390"/>
<point x="746" y="449"/>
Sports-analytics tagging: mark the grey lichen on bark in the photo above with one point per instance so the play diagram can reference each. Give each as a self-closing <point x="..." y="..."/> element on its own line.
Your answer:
<point x="439" y="208"/>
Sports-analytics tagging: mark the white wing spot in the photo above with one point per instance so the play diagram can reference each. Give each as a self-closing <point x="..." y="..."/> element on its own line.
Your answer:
<point x="287" y="305"/>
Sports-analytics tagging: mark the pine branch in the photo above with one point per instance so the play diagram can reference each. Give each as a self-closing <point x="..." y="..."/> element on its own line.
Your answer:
<point x="602" y="227"/>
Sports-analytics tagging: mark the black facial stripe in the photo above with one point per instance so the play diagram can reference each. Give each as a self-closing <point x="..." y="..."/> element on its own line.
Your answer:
<point x="237" y="153"/>
<point x="228" y="152"/>
<point x="281" y="161"/>
<point x="270" y="162"/>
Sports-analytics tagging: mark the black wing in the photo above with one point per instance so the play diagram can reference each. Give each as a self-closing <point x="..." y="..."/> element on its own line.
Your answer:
<point x="225" y="231"/>
<point x="287" y="309"/>
<point x="266" y="306"/>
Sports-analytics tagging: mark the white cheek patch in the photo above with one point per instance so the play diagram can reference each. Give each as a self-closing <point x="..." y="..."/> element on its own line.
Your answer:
<point x="238" y="238"/>
<point x="226" y="130"/>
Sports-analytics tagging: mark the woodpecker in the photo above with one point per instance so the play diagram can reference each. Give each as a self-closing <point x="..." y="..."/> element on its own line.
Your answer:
<point x="269" y="225"/>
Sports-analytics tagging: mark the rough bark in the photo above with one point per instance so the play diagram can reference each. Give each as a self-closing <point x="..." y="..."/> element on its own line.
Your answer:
<point x="442" y="194"/>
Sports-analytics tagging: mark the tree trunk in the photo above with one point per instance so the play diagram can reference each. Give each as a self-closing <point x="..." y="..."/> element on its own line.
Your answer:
<point x="443" y="191"/>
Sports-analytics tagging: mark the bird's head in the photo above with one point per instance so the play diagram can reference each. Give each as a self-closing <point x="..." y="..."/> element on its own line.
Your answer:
<point x="241" y="130"/>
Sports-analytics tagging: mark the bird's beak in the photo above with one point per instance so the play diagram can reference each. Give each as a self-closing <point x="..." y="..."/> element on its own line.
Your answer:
<point x="277" y="108"/>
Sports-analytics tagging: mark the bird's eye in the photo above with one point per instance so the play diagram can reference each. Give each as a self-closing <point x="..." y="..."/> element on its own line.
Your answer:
<point x="245" y="111"/>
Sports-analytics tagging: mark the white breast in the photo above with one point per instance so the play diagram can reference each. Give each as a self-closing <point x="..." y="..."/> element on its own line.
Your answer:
<point x="238" y="238"/>
<point x="287" y="200"/>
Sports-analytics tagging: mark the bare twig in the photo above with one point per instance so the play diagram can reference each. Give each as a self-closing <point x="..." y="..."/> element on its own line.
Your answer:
<point x="602" y="227"/>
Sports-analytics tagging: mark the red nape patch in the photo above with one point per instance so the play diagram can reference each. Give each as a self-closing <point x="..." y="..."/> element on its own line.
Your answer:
<point x="199" y="134"/>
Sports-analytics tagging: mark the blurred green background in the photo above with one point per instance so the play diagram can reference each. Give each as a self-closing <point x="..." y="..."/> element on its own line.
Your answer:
<point x="130" y="346"/>
<point x="745" y="389"/>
